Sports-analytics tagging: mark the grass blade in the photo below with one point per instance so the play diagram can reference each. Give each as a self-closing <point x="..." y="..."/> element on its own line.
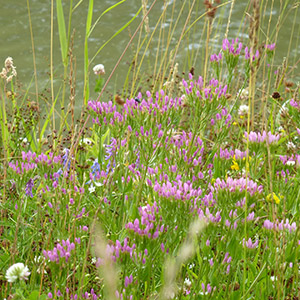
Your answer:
<point x="62" y="32"/>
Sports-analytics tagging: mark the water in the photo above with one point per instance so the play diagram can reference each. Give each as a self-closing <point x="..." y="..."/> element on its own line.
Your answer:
<point x="16" y="42"/>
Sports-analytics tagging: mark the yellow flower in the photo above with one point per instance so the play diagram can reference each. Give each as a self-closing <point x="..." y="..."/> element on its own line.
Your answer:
<point x="273" y="196"/>
<point x="235" y="165"/>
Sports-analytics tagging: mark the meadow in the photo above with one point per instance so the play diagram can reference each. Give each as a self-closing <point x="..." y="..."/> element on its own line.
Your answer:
<point x="187" y="188"/>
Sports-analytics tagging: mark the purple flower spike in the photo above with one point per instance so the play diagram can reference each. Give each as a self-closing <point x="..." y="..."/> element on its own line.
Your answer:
<point x="28" y="188"/>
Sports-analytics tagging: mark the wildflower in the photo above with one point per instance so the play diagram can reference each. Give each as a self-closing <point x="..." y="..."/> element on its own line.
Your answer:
<point x="294" y="103"/>
<point x="235" y="165"/>
<point x="270" y="47"/>
<point x="205" y="290"/>
<point x="86" y="141"/>
<point x="248" y="53"/>
<point x="91" y="189"/>
<point x="291" y="145"/>
<point x="28" y="188"/>
<point x="24" y="141"/>
<point x="110" y="153"/>
<point x="244" y="93"/>
<point x="216" y="58"/>
<point x="290" y="163"/>
<point x="267" y="137"/>
<point x="99" y="69"/>
<point x="95" y="169"/>
<point x="274" y="197"/>
<point x="9" y="71"/>
<point x="17" y="271"/>
<point x="60" y="251"/>
<point x="187" y="282"/>
<point x="243" y="110"/>
<point x="234" y="48"/>
<point x="249" y="243"/>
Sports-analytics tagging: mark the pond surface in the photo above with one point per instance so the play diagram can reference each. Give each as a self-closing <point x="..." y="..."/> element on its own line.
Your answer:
<point x="16" y="41"/>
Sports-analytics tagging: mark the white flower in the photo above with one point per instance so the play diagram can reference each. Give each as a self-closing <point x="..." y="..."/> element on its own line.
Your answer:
<point x="99" y="69"/>
<point x="191" y="266"/>
<point x="92" y="189"/>
<point x="290" y="163"/>
<point x="291" y="145"/>
<point x="39" y="260"/>
<point x="203" y="293"/>
<point x="243" y="110"/>
<point x="86" y="141"/>
<point x="187" y="282"/>
<point x="244" y="93"/>
<point x="23" y="140"/>
<point x="17" y="271"/>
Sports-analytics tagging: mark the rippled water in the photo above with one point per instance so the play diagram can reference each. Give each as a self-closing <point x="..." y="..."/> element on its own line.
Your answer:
<point x="16" y="42"/>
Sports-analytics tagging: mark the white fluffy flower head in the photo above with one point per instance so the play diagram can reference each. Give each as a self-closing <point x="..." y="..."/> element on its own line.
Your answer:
<point x="17" y="271"/>
<point x="99" y="69"/>
<point x="243" y="110"/>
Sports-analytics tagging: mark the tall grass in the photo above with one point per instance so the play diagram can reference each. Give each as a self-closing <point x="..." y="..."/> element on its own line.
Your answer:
<point x="186" y="187"/>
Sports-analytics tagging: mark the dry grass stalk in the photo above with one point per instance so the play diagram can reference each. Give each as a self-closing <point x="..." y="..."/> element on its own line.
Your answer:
<point x="173" y="266"/>
<point x="72" y="80"/>
<point x="146" y="21"/>
<point x="109" y="273"/>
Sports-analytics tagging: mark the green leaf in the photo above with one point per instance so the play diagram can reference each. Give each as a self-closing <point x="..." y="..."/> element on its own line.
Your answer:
<point x="106" y="11"/>
<point x="34" y="296"/>
<point x="62" y="32"/>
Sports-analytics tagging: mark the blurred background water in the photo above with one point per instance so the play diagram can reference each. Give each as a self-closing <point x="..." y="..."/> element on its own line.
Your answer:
<point x="16" y="41"/>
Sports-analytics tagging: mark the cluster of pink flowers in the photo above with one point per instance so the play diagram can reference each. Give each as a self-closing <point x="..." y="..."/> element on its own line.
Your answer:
<point x="214" y="88"/>
<point x="206" y="290"/>
<point x="249" y="244"/>
<point x="233" y="48"/>
<point x="106" y="113"/>
<point x="227" y="260"/>
<point x="229" y="154"/>
<point x="186" y="139"/>
<point x="270" y="47"/>
<point x="22" y="167"/>
<point x="114" y="251"/>
<point x="257" y="137"/>
<point x="41" y="158"/>
<point x="240" y="185"/>
<point x="30" y="160"/>
<point x="178" y="190"/>
<point x="216" y="57"/>
<point x="220" y="116"/>
<point x="91" y="295"/>
<point x="60" y="251"/>
<point x="294" y="103"/>
<point x="207" y="216"/>
<point x="148" y="220"/>
<point x="122" y="295"/>
<point x="248" y="54"/>
<point x="279" y="226"/>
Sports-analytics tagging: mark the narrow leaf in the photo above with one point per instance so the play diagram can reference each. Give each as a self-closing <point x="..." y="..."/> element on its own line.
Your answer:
<point x="62" y="32"/>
